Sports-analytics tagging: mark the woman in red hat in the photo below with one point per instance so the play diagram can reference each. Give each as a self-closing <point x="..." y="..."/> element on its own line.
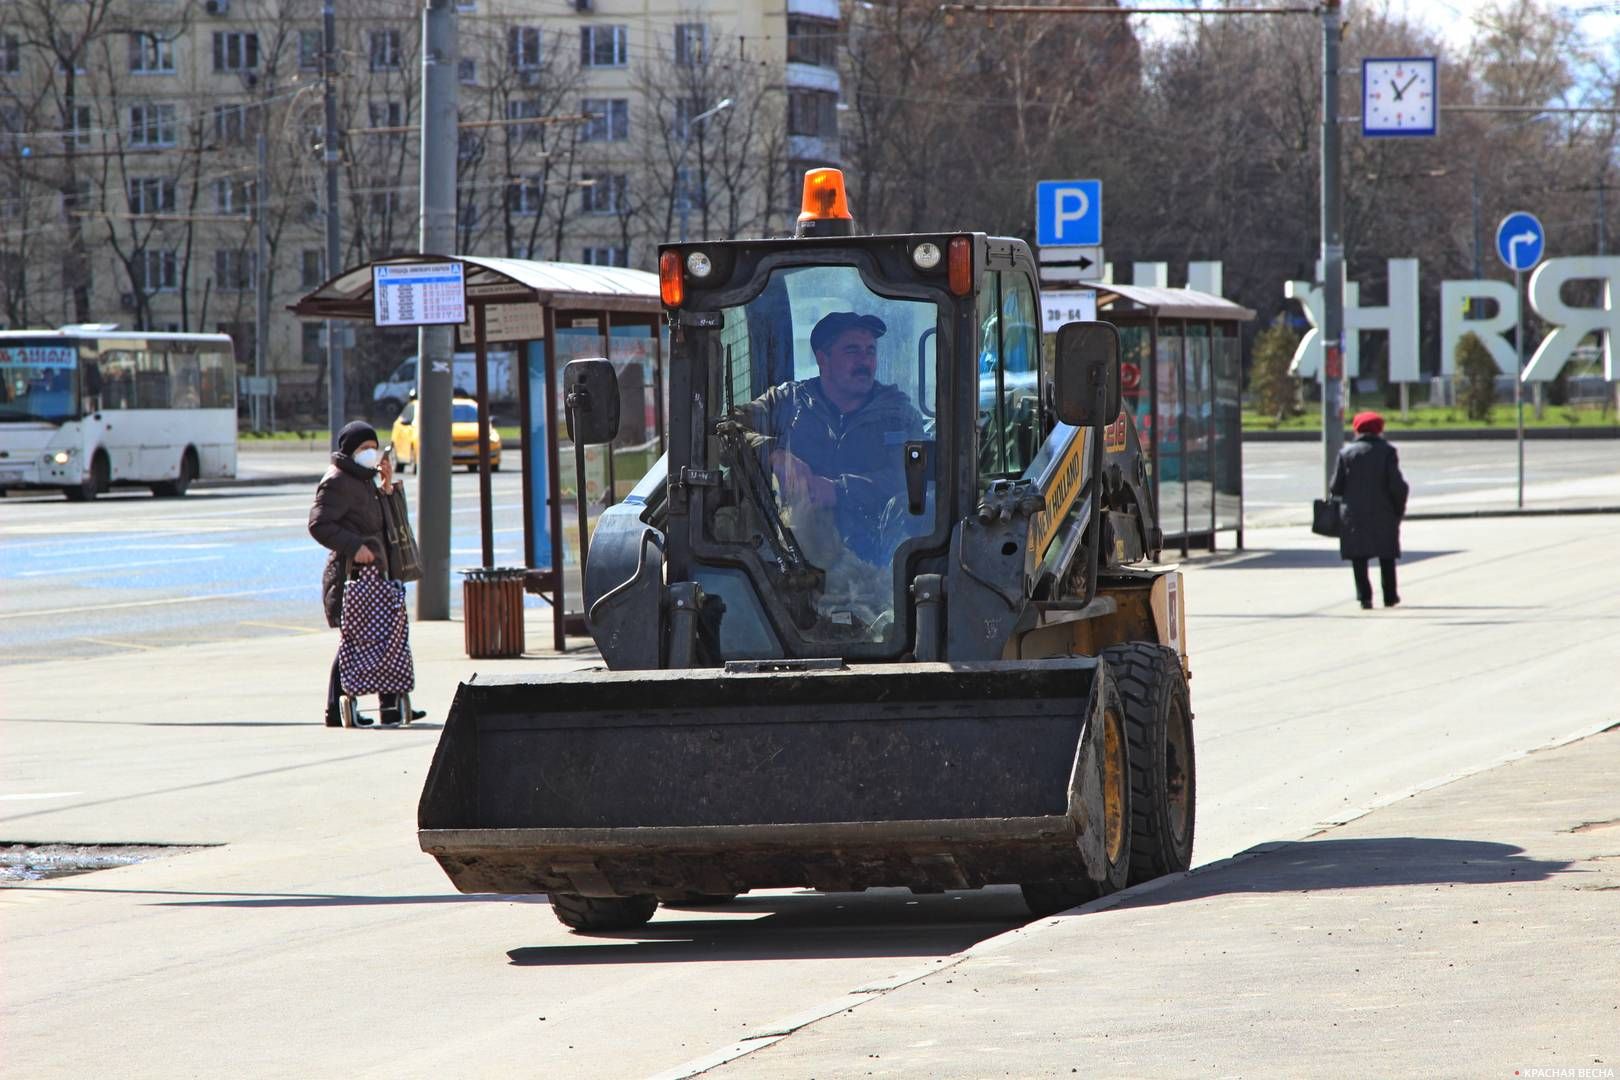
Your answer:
<point x="1368" y="481"/>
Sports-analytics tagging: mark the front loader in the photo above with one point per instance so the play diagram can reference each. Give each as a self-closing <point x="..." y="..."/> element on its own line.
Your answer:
<point x="886" y="613"/>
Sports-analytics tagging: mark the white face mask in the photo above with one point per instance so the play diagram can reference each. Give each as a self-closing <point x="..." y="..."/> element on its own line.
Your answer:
<point x="368" y="458"/>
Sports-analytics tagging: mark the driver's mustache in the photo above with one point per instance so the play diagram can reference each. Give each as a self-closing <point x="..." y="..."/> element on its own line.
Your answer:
<point x="861" y="370"/>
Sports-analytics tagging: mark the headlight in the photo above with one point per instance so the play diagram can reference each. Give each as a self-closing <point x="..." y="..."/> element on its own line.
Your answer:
<point x="61" y="457"/>
<point x="925" y="255"/>
<point x="698" y="265"/>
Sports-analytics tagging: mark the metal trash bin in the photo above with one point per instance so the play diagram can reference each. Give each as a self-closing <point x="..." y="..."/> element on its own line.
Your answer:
<point x="492" y="612"/>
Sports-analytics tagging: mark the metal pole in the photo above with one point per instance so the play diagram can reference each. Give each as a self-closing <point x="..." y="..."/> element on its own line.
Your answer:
<point x="435" y="348"/>
<point x="1477" y="269"/>
<point x="486" y="522"/>
<point x="1518" y="372"/>
<point x="261" y="275"/>
<point x="1332" y="250"/>
<point x="331" y="158"/>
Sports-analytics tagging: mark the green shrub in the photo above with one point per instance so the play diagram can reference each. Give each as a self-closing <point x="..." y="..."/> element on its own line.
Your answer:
<point x="1275" y="391"/>
<point x="1476" y="378"/>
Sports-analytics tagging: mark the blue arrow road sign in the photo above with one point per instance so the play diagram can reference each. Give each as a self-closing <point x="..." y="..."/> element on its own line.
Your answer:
<point x="1519" y="240"/>
<point x="1068" y="212"/>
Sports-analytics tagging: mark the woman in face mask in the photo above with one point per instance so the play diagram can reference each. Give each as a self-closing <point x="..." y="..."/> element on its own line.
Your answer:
<point x="347" y="520"/>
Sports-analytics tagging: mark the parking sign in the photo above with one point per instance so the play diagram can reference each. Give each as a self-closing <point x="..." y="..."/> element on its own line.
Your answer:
<point x="1068" y="212"/>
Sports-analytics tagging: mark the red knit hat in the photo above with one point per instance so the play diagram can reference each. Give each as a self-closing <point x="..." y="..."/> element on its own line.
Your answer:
<point x="1368" y="423"/>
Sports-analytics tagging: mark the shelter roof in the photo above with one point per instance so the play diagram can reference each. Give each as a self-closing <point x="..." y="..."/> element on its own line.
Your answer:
<point x="501" y="281"/>
<point x="1167" y="303"/>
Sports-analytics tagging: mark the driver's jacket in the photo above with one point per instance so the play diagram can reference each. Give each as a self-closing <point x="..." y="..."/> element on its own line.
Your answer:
<point x="860" y="451"/>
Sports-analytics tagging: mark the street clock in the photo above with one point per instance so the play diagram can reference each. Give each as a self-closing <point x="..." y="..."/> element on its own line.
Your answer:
<point x="1400" y="96"/>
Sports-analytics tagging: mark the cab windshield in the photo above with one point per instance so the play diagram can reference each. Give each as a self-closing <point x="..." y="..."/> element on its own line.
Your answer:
<point x="39" y="381"/>
<point x="823" y="389"/>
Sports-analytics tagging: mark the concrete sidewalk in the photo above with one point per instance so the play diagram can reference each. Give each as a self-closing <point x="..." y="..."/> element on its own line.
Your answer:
<point x="1466" y="931"/>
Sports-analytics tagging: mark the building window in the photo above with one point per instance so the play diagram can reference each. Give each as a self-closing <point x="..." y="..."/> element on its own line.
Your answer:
<point x="387" y="114"/>
<point x="606" y="256"/>
<point x="156" y="271"/>
<point x="233" y="196"/>
<point x="384" y="49"/>
<point x="236" y="50"/>
<point x="311" y="43"/>
<point x="311" y="346"/>
<point x="467" y="71"/>
<point x="604" y="46"/>
<point x="151" y="125"/>
<point x="151" y="195"/>
<point x="812" y="41"/>
<point x="812" y="112"/>
<point x="80" y="199"/>
<point x="523" y="197"/>
<point x="469" y="146"/>
<point x="235" y="123"/>
<point x="233" y="270"/>
<point x="518" y="109"/>
<point x="609" y="120"/>
<point x="80" y="123"/>
<point x="69" y="48"/>
<point x="523" y="47"/>
<point x="603" y="193"/>
<point x="10" y="55"/>
<point x="691" y="44"/>
<point x="384" y="203"/>
<point x="150" y="54"/>
<point x="311" y="268"/>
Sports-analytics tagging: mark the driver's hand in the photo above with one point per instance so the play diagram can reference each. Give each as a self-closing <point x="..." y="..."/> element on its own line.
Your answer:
<point x="799" y="482"/>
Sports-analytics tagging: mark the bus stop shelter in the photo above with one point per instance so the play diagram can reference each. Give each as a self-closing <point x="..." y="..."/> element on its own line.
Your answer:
<point x="548" y="313"/>
<point x="1182" y="376"/>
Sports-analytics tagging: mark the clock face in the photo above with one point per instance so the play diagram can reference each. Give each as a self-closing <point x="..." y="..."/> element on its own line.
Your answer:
<point x="1399" y="96"/>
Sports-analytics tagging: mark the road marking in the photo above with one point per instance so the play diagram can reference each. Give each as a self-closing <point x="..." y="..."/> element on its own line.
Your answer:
<point x="151" y="603"/>
<point x="109" y="566"/>
<point x="41" y="795"/>
<point x="120" y="644"/>
<point x="279" y="626"/>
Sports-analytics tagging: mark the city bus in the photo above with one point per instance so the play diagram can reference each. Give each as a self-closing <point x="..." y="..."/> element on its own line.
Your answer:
<point x="87" y="408"/>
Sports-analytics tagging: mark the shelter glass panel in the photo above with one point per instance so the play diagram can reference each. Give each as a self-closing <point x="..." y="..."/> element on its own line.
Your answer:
<point x="1167" y="428"/>
<point x="1196" y="428"/>
<point x="1227" y="355"/>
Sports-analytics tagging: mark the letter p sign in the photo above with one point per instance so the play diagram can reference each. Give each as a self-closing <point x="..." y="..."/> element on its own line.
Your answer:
<point x="1068" y="212"/>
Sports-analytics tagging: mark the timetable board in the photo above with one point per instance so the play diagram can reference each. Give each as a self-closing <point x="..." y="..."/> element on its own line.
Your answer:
<point x="419" y="294"/>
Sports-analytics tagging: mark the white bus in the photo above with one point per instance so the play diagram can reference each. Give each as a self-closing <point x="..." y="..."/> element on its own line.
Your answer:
<point x="84" y="408"/>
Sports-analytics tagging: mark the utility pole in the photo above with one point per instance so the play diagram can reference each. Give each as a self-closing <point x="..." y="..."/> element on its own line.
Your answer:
<point x="435" y="347"/>
<point x="261" y="273"/>
<point x="1332" y="250"/>
<point x="686" y="145"/>
<point x="331" y="156"/>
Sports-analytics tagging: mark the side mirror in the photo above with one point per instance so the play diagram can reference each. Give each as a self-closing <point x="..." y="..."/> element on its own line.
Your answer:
<point x="591" y="394"/>
<point x="1086" y="375"/>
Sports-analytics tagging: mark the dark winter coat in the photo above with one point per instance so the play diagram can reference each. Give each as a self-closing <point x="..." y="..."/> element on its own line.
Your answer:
<point x="347" y="515"/>
<point x="1368" y="479"/>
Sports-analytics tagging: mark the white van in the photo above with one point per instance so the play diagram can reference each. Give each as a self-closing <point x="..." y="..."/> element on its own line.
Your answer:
<point x="390" y="395"/>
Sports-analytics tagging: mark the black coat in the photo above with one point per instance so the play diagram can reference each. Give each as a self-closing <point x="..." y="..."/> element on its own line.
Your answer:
<point x="1368" y="479"/>
<point x="347" y="515"/>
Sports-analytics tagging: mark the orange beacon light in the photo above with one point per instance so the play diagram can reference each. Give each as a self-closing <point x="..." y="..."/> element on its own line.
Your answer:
<point x="825" y="210"/>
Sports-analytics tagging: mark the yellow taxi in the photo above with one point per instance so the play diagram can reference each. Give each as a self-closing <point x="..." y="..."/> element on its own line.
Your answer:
<point x="463" y="437"/>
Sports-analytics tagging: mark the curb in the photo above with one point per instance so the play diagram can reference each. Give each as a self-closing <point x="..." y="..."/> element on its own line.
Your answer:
<point x="258" y="481"/>
<point x="1426" y="435"/>
<point x="1454" y="515"/>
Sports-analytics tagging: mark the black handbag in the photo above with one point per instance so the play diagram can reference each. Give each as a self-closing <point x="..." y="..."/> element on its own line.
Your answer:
<point x="1326" y="519"/>
<point x="404" y="560"/>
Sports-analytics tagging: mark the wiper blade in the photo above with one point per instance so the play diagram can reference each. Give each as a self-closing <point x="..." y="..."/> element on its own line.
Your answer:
<point x="790" y="559"/>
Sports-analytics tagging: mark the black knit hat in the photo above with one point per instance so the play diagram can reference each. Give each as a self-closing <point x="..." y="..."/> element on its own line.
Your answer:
<point x="353" y="434"/>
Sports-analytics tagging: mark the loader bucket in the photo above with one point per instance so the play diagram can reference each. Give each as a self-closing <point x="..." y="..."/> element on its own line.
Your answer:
<point x="928" y="775"/>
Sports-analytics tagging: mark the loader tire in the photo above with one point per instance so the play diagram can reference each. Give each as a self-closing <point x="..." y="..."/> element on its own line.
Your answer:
<point x="602" y="912"/>
<point x="1158" y="720"/>
<point x="1050" y="897"/>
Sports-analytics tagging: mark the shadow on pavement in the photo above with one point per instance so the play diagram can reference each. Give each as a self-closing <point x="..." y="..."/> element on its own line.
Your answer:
<point x="1304" y="558"/>
<point x="1318" y="865"/>
<point x="798" y="926"/>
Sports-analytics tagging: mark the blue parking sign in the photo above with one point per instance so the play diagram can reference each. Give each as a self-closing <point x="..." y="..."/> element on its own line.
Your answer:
<point x="1068" y="212"/>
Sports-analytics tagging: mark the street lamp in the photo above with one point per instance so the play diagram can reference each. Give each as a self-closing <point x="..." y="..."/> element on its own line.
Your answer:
<point x="686" y="145"/>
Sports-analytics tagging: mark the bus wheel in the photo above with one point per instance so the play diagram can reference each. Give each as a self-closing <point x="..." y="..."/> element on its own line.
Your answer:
<point x="97" y="480"/>
<point x="178" y="486"/>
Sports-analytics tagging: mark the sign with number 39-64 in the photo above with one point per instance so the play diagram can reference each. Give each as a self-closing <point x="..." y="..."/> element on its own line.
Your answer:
<point x="1059" y="306"/>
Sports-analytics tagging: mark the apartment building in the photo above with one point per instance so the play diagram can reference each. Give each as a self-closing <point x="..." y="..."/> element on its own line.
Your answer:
<point x="150" y="149"/>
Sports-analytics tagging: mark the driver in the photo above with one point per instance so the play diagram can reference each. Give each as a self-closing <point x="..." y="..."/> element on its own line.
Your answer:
<point x="835" y="441"/>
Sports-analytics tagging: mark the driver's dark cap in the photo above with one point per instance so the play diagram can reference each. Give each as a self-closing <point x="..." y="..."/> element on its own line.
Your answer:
<point x="830" y="326"/>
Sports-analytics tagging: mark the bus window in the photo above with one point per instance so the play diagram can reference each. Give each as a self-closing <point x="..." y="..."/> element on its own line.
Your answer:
<point x="151" y="380"/>
<point x="118" y="379"/>
<point x="185" y="381"/>
<point x="218" y="389"/>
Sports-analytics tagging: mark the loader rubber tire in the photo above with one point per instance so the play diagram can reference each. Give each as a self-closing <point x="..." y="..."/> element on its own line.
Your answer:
<point x="1164" y="775"/>
<point x="1051" y="897"/>
<point x="602" y="912"/>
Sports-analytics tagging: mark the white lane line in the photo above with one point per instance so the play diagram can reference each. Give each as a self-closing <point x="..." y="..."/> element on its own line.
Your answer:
<point x="120" y="644"/>
<point x="151" y="603"/>
<point x="41" y="795"/>
<point x="112" y="566"/>
<point x="281" y="626"/>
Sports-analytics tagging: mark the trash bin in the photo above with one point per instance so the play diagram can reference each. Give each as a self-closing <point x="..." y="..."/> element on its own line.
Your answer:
<point x="492" y="612"/>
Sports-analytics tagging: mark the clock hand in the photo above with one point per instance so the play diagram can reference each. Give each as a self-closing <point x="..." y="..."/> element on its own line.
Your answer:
<point x="1398" y="90"/>
<point x="1409" y="83"/>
